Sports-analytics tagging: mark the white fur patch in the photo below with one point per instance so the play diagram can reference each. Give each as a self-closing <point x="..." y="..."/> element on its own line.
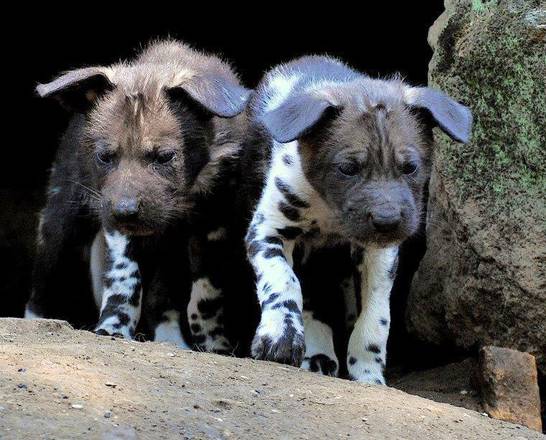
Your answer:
<point x="169" y="330"/>
<point x="318" y="340"/>
<point x="203" y="292"/>
<point x="278" y="90"/>
<point x="124" y="278"/>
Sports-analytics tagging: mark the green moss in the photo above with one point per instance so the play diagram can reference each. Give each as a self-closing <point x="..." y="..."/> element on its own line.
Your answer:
<point x="482" y="5"/>
<point x="501" y="77"/>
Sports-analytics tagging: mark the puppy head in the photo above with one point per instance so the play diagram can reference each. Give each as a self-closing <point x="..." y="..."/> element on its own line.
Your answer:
<point x="367" y="151"/>
<point x="149" y="128"/>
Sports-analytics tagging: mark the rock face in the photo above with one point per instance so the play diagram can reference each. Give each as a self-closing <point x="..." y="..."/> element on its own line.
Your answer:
<point x="508" y="380"/>
<point x="56" y="382"/>
<point x="483" y="277"/>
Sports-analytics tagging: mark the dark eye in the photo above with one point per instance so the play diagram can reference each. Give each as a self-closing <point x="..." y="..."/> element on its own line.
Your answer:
<point x="409" y="167"/>
<point x="164" y="157"/>
<point x="349" y="168"/>
<point x="105" y="157"/>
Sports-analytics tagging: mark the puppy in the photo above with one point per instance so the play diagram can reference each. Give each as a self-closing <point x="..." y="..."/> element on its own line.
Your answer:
<point x="143" y="171"/>
<point x="341" y="159"/>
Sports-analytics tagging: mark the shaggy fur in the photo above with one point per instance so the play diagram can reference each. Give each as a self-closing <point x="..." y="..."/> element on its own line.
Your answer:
<point x="144" y="166"/>
<point x="340" y="160"/>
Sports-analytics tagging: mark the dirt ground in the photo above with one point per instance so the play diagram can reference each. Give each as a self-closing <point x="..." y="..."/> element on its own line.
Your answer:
<point x="59" y="383"/>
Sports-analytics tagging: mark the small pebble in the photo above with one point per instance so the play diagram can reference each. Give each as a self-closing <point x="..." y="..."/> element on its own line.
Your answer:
<point x="22" y="386"/>
<point x="107" y="414"/>
<point x="463" y="392"/>
<point x="76" y="406"/>
<point x="21" y="370"/>
<point x="170" y="354"/>
<point x="110" y="384"/>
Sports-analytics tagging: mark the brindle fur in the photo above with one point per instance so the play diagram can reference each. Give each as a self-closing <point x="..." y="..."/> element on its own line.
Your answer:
<point x="157" y="134"/>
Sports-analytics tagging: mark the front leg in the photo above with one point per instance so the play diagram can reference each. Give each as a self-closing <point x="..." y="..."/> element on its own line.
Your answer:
<point x="280" y="334"/>
<point x="122" y="288"/>
<point x="368" y="342"/>
<point x="209" y="257"/>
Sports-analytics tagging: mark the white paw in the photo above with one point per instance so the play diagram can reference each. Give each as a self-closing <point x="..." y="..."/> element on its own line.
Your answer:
<point x="280" y="338"/>
<point x="109" y="328"/>
<point x="322" y="364"/>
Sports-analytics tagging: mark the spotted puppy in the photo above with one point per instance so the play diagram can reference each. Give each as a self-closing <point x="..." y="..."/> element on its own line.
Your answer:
<point x="137" y="174"/>
<point x="344" y="159"/>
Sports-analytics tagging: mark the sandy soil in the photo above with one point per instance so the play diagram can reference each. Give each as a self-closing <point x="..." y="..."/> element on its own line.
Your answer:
<point x="64" y="384"/>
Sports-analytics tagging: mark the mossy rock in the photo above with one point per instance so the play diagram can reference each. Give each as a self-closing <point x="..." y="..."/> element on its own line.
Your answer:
<point x="483" y="277"/>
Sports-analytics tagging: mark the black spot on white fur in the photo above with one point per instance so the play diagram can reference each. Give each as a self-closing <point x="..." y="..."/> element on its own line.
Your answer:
<point x="289" y="211"/>
<point x="323" y="364"/>
<point x="289" y="195"/>
<point x="273" y="252"/>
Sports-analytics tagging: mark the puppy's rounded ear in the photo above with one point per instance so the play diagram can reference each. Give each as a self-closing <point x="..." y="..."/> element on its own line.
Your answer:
<point x="297" y="116"/>
<point x="453" y="118"/>
<point x="220" y="95"/>
<point x="77" y="90"/>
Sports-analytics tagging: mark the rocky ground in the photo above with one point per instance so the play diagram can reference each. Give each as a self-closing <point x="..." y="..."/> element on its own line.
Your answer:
<point x="56" y="382"/>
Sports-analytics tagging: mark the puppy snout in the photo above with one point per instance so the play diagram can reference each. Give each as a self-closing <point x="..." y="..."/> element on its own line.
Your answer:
<point x="386" y="221"/>
<point x="125" y="209"/>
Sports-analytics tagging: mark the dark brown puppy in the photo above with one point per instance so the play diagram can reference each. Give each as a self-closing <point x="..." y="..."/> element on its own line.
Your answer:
<point x="143" y="153"/>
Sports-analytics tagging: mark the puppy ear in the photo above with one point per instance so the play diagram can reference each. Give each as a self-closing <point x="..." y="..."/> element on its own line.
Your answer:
<point x="222" y="96"/>
<point x="78" y="89"/>
<point x="296" y="117"/>
<point x="453" y="118"/>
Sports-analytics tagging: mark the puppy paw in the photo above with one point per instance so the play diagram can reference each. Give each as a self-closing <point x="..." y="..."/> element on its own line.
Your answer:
<point x="322" y="364"/>
<point x="367" y="375"/>
<point x="218" y="345"/>
<point x="112" y="330"/>
<point x="280" y="338"/>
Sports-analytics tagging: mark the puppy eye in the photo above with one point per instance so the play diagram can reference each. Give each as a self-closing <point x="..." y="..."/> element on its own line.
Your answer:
<point x="410" y="167"/>
<point x="164" y="157"/>
<point x="349" y="168"/>
<point x="105" y="157"/>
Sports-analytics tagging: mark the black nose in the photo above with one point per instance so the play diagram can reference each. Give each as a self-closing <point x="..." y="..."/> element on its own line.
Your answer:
<point x="386" y="223"/>
<point x="125" y="209"/>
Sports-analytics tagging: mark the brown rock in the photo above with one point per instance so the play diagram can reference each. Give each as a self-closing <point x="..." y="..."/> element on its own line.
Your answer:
<point x="508" y="380"/>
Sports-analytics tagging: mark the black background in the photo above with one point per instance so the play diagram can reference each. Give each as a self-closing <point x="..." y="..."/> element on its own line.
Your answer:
<point x="381" y="40"/>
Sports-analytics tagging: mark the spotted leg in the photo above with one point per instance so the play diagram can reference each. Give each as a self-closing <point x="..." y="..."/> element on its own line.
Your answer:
<point x="122" y="291"/>
<point x="320" y="356"/>
<point x="368" y="342"/>
<point x="208" y="255"/>
<point x="280" y="334"/>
